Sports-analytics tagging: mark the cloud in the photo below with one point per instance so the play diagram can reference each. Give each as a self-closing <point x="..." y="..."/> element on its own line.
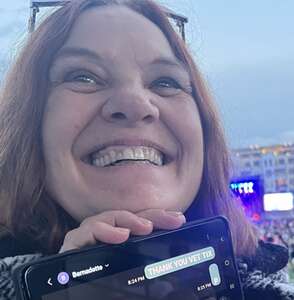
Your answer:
<point x="287" y="136"/>
<point x="256" y="102"/>
<point x="8" y="29"/>
<point x="14" y="5"/>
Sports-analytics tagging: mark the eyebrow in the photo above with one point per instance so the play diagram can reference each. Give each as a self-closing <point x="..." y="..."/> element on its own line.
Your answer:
<point x="74" y="51"/>
<point x="96" y="58"/>
<point x="168" y="62"/>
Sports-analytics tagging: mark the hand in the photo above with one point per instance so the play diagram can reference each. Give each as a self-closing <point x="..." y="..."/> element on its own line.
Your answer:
<point x="115" y="227"/>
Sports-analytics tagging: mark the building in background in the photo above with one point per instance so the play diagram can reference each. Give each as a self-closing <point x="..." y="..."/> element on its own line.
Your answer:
<point x="273" y="164"/>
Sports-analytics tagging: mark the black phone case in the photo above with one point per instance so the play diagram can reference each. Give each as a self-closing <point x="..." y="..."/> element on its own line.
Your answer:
<point x="18" y="275"/>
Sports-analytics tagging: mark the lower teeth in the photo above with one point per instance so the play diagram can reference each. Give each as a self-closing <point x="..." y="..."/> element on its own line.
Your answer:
<point x="122" y="163"/>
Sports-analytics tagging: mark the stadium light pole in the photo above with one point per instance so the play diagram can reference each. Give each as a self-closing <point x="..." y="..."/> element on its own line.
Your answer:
<point x="35" y="6"/>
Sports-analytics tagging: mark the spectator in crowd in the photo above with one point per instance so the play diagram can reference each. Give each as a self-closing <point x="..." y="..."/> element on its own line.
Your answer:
<point x="279" y="231"/>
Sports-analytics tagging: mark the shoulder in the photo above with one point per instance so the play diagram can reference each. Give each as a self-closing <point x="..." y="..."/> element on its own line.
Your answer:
<point x="13" y="254"/>
<point x="11" y="246"/>
<point x="264" y="276"/>
<point x="7" y="266"/>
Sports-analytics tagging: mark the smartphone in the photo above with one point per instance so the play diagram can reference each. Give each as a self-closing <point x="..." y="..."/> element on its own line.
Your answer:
<point x="195" y="261"/>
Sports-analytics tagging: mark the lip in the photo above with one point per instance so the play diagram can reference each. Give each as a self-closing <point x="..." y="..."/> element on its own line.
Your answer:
<point x="168" y="157"/>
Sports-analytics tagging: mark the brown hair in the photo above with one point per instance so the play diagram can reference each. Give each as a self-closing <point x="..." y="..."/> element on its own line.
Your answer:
<point x="25" y="206"/>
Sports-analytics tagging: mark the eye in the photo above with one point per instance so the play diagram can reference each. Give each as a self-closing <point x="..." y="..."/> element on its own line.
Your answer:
<point x="166" y="86"/>
<point x="83" y="78"/>
<point x="80" y="76"/>
<point x="166" y="82"/>
<point x="84" y="81"/>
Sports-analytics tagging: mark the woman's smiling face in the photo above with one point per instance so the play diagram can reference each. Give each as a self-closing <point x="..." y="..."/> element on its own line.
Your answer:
<point x="119" y="95"/>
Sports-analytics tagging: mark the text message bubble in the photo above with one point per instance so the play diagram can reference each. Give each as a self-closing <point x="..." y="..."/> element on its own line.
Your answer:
<point x="214" y="275"/>
<point x="179" y="262"/>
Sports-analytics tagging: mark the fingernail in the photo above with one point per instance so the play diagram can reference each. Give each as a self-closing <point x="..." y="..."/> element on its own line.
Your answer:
<point x="123" y="230"/>
<point x="177" y="214"/>
<point x="145" y="221"/>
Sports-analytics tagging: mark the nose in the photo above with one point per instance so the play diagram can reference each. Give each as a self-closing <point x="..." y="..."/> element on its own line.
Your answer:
<point x="130" y="107"/>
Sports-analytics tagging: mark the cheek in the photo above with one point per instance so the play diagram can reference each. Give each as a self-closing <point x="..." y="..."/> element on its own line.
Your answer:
<point x="187" y="128"/>
<point x="193" y="141"/>
<point x="64" y="118"/>
<point x="189" y="134"/>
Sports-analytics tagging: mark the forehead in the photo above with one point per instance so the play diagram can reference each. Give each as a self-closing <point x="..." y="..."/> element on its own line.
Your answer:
<point x="116" y="31"/>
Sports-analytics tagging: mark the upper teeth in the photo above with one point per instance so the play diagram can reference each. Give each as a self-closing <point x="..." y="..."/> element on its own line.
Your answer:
<point x="110" y="155"/>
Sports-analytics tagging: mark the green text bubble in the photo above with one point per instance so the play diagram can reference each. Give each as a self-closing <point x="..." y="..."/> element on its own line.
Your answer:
<point x="179" y="262"/>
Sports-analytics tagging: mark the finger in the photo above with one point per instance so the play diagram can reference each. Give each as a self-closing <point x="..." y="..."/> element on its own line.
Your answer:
<point x="106" y="233"/>
<point x="75" y="239"/>
<point x="121" y="218"/>
<point x="162" y="219"/>
<point x="89" y="234"/>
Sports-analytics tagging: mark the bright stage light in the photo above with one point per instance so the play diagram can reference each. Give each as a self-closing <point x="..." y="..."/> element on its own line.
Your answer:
<point x="278" y="201"/>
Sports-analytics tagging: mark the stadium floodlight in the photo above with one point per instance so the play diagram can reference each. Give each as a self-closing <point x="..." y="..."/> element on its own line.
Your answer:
<point x="35" y="6"/>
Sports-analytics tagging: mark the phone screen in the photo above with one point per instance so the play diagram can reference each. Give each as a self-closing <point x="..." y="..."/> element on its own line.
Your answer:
<point x="194" y="262"/>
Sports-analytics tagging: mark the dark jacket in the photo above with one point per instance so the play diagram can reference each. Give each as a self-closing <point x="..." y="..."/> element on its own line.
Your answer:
<point x="263" y="277"/>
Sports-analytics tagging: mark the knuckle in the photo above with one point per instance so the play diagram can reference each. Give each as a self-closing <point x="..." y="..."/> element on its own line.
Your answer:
<point x="87" y="220"/>
<point x="119" y="213"/>
<point x="149" y="213"/>
<point x="96" y="226"/>
<point x="92" y="225"/>
<point x="126" y="214"/>
<point x="69" y="236"/>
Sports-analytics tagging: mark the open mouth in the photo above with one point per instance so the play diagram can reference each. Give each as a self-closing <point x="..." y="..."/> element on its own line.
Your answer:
<point x="124" y="155"/>
<point x="128" y="162"/>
